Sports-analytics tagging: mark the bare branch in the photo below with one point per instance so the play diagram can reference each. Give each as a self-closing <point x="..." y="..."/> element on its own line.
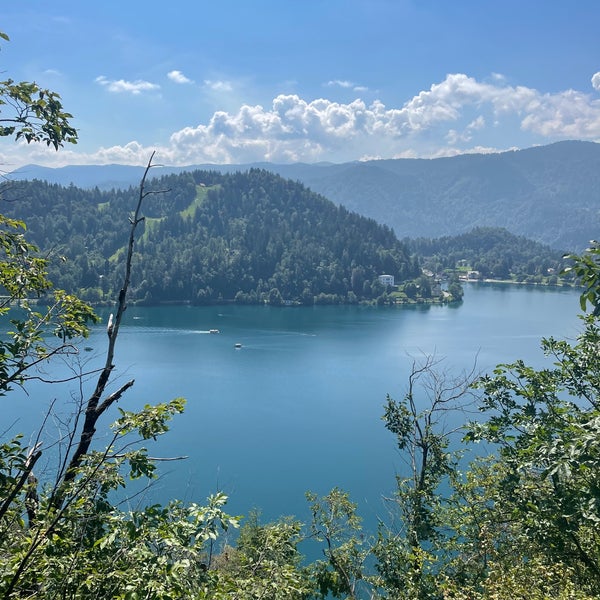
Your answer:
<point x="114" y="397"/>
<point x="93" y="409"/>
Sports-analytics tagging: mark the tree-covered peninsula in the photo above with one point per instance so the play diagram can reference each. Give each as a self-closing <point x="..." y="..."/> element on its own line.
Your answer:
<point x="209" y="237"/>
<point x="491" y="253"/>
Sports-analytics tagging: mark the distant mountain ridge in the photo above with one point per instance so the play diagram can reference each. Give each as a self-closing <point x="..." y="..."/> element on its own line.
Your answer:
<point x="550" y="194"/>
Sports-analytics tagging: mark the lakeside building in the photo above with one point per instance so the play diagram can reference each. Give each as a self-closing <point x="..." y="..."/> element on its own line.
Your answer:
<point x="386" y="280"/>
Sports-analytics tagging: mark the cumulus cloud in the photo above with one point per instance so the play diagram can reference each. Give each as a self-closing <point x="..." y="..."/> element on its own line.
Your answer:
<point x="122" y="86"/>
<point x="178" y="77"/>
<point x="456" y="115"/>
<point x="293" y="128"/>
<point x="478" y="123"/>
<point x="596" y="81"/>
<point x="568" y="114"/>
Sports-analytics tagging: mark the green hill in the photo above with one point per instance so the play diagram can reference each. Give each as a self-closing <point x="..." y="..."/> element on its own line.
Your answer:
<point x="211" y="237"/>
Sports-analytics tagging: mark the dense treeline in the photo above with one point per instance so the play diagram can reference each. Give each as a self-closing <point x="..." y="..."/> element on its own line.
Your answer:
<point x="81" y="226"/>
<point x="495" y="253"/>
<point x="246" y="236"/>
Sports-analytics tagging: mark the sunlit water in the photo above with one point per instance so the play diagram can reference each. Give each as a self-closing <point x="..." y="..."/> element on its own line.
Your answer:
<point x="298" y="407"/>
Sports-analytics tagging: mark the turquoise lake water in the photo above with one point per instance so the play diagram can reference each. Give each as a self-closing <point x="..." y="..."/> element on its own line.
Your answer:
<point x="298" y="407"/>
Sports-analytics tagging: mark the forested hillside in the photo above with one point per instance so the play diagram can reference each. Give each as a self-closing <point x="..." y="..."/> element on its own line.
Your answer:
<point x="548" y="194"/>
<point x="208" y="237"/>
<point x="495" y="253"/>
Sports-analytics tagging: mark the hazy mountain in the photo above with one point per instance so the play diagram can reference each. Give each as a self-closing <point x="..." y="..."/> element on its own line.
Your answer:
<point x="550" y="193"/>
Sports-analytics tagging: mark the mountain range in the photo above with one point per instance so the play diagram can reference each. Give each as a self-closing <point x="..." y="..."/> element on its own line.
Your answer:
<point x="550" y="194"/>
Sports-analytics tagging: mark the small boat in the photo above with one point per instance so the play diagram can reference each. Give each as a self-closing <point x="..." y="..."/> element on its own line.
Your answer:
<point x="213" y="331"/>
<point x="238" y="345"/>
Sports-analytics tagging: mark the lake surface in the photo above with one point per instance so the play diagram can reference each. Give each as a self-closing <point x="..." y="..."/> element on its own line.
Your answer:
<point x="298" y="407"/>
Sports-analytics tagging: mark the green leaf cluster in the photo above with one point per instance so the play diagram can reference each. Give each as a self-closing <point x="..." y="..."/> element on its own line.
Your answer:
<point x="586" y="268"/>
<point x="33" y="114"/>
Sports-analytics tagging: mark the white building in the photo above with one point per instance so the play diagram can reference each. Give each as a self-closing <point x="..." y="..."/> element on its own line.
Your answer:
<point x="386" y="279"/>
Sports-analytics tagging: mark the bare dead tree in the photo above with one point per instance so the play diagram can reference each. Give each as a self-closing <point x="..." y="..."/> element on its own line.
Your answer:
<point x="423" y="423"/>
<point x="95" y="408"/>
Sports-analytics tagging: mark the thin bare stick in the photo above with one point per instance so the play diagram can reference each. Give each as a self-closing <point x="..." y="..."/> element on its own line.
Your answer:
<point x="93" y="408"/>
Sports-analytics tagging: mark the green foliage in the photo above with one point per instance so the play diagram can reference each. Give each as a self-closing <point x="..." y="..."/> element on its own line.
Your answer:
<point x="76" y="543"/>
<point x="149" y="422"/>
<point x="586" y="268"/>
<point x="34" y="114"/>
<point x="546" y="424"/>
<point x="23" y="277"/>
<point x="493" y="252"/>
<point x="101" y="552"/>
<point x="413" y="548"/>
<point x="335" y="522"/>
<point x="265" y="563"/>
<point x="455" y="289"/>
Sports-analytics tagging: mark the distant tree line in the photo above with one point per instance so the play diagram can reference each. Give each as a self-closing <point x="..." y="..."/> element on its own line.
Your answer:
<point x="494" y="252"/>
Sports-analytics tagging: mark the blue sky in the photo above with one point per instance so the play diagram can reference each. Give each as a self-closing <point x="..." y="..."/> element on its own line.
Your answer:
<point x="239" y="81"/>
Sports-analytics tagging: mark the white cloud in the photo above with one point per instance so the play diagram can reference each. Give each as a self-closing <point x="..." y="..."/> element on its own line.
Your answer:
<point x="178" y="77"/>
<point x="454" y="137"/>
<point x="218" y="85"/>
<point x="568" y="114"/>
<point x="122" y="86"/>
<point x="478" y="123"/>
<point x="456" y="115"/>
<point x="596" y="81"/>
<point x="340" y="83"/>
<point x="447" y="152"/>
<point x="296" y="129"/>
<point x="347" y="85"/>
